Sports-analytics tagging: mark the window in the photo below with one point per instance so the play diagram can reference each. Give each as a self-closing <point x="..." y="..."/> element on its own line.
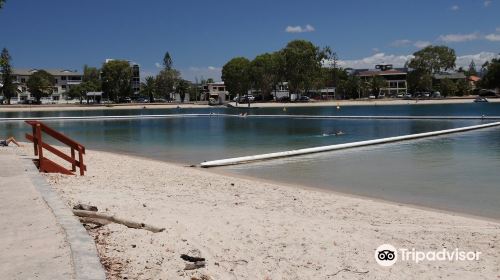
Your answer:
<point x="63" y="78"/>
<point x="222" y="89"/>
<point x="23" y="80"/>
<point x="63" y="86"/>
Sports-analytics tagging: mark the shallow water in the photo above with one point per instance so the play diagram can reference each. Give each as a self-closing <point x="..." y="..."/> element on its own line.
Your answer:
<point x="457" y="172"/>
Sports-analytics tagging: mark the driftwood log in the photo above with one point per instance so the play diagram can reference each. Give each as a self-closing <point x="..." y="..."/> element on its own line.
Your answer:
<point x="113" y="219"/>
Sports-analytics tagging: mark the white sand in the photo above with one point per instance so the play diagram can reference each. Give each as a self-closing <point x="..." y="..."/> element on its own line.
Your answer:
<point x="247" y="229"/>
<point x="77" y="107"/>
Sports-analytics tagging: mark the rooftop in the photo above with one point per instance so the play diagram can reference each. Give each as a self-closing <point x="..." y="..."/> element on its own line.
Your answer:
<point x="54" y="72"/>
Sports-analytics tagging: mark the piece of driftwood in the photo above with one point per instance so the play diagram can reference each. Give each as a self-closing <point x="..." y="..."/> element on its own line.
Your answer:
<point x="195" y="265"/>
<point x="192" y="259"/>
<point x="85" y="207"/>
<point x="112" y="218"/>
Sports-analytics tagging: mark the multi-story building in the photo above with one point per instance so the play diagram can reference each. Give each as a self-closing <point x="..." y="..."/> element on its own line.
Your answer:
<point x="216" y="91"/>
<point x="64" y="80"/>
<point x="395" y="78"/>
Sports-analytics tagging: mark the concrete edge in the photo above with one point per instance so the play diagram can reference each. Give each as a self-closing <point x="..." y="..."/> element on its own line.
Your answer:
<point x="85" y="259"/>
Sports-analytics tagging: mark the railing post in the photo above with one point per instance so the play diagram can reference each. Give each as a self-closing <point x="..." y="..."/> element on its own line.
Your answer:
<point x="73" y="165"/>
<point x="80" y="159"/>
<point x="35" y="142"/>
<point x="39" y="144"/>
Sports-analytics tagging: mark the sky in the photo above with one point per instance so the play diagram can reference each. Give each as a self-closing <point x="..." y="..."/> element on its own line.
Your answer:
<point x="203" y="35"/>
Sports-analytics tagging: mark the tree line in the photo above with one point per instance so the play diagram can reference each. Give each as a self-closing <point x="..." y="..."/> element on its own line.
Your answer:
<point x="113" y="79"/>
<point x="304" y="66"/>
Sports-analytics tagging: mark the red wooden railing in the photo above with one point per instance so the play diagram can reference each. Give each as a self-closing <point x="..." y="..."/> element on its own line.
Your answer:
<point x="47" y="165"/>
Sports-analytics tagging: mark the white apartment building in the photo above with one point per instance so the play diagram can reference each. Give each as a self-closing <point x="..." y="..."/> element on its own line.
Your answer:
<point x="64" y="79"/>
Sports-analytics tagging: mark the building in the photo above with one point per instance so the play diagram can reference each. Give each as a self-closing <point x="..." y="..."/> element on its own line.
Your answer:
<point x="215" y="91"/>
<point x="64" y="80"/>
<point x="135" y="81"/>
<point x="396" y="78"/>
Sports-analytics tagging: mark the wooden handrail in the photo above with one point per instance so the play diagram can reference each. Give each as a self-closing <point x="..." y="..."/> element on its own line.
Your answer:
<point x="46" y="165"/>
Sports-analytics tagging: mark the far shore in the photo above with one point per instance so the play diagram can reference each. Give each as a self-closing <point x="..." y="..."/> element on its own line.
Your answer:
<point x="248" y="228"/>
<point x="146" y="106"/>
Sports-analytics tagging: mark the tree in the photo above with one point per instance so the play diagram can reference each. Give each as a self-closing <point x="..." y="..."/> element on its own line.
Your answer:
<point x="472" y="69"/>
<point x="301" y="64"/>
<point x="418" y="80"/>
<point x="235" y="75"/>
<point x="463" y="87"/>
<point x="433" y="59"/>
<point x="116" y="76"/>
<point x="376" y="84"/>
<point x="447" y="87"/>
<point x="8" y="88"/>
<point x="148" y="88"/>
<point x="264" y="73"/>
<point x="40" y="84"/>
<point x="166" y="80"/>
<point x="1" y="3"/>
<point x="167" y="61"/>
<point x="491" y="78"/>
<point x="91" y="82"/>
<point x="182" y="89"/>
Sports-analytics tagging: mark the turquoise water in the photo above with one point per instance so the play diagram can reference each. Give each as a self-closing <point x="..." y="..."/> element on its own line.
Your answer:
<point x="457" y="172"/>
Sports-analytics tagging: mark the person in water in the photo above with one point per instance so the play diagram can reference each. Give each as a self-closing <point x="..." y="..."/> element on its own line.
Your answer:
<point x="6" y="142"/>
<point x="340" y="132"/>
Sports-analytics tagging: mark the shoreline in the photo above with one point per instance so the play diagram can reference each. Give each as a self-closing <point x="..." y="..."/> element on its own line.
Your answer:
<point x="147" y="106"/>
<point x="253" y="229"/>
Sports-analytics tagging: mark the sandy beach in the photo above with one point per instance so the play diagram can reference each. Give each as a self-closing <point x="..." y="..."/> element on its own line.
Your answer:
<point x="364" y="102"/>
<point x="251" y="229"/>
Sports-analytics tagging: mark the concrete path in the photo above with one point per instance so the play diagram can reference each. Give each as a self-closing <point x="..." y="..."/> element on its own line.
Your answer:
<point x="35" y="242"/>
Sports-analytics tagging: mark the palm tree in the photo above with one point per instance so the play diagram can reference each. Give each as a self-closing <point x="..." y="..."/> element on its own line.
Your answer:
<point x="148" y="88"/>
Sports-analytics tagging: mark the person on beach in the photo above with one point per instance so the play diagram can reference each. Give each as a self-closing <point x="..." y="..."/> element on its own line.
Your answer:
<point x="6" y="142"/>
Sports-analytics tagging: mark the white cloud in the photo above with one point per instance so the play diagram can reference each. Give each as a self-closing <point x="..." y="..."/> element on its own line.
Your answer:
<point x="299" y="29"/>
<point x="479" y="59"/>
<point x="492" y="37"/>
<point x="487" y="3"/>
<point x="421" y="44"/>
<point x="498" y="29"/>
<point x="401" y="43"/>
<point x="378" y="58"/>
<point x="400" y="60"/>
<point x="376" y="50"/>
<point x="158" y="65"/>
<point x="455" y="8"/>
<point x="455" y="38"/>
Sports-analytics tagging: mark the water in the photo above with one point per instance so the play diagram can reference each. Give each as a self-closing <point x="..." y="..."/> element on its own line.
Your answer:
<point x="457" y="172"/>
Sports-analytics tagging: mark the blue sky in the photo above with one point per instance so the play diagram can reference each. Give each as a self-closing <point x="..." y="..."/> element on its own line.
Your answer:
<point x="203" y="35"/>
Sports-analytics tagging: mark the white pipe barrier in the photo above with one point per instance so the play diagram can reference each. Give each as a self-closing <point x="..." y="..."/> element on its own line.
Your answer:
<point x="117" y="117"/>
<point x="246" y="159"/>
<point x="132" y="117"/>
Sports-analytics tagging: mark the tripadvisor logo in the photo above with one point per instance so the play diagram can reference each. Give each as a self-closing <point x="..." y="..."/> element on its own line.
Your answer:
<point x="387" y="255"/>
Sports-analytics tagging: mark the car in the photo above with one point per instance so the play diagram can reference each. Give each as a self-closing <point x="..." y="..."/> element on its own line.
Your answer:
<point x="124" y="100"/>
<point x="303" y="98"/>
<point x="372" y="96"/>
<point x="284" y="99"/>
<point x="400" y="95"/>
<point x="142" y="100"/>
<point x="160" y="100"/>
<point x="407" y="96"/>
<point x="246" y="98"/>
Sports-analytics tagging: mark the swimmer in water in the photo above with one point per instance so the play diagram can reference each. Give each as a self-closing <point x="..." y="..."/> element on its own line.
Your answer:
<point x="340" y="132"/>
